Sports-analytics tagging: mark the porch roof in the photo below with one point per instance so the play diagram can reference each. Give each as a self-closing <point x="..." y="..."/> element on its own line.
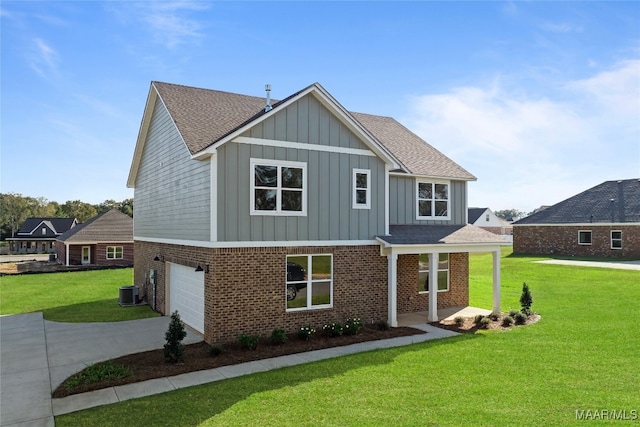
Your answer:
<point x="401" y="235"/>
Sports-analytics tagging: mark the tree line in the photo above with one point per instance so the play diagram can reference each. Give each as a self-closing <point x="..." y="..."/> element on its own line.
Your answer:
<point x="16" y="208"/>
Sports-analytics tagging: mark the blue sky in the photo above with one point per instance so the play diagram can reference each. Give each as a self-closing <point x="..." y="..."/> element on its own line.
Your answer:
<point x="539" y="100"/>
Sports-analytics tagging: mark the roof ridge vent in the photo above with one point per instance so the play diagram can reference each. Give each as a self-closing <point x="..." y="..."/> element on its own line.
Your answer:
<point x="268" y="107"/>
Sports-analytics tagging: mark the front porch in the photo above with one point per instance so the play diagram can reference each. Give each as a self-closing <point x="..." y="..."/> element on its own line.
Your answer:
<point x="449" y="313"/>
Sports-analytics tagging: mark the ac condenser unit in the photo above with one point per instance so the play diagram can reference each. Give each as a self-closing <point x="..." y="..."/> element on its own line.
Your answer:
<point x="128" y="295"/>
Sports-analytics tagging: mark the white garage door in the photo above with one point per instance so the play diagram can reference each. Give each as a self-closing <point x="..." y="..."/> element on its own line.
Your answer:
<point x="186" y="294"/>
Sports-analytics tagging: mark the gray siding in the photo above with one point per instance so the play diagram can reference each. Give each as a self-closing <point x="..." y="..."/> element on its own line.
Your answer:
<point x="172" y="192"/>
<point x="329" y="181"/>
<point x="402" y="202"/>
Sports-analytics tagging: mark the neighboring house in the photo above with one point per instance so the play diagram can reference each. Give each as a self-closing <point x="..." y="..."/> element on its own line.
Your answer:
<point x="251" y="217"/>
<point x="106" y="239"/>
<point x="486" y="219"/>
<point x="38" y="235"/>
<point x="603" y="221"/>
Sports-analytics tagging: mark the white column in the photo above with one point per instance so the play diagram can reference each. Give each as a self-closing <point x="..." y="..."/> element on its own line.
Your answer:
<point x="67" y="250"/>
<point x="433" y="287"/>
<point x="392" y="269"/>
<point x="496" y="280"/>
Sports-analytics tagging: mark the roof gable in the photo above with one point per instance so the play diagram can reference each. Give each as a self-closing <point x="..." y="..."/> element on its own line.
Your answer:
<point x="54" y="226"/>
<point x="110" y="226"/>
<point x="609" y="202"/>
<point x="475" y="213"/>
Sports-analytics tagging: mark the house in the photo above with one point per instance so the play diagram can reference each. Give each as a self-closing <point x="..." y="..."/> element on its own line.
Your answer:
<point x="106" y="239"/>
<point x="603" y="221"/>
<point x="253" y="214"/>
<point x="38" y="235"/>
<point x="486" y="219"/>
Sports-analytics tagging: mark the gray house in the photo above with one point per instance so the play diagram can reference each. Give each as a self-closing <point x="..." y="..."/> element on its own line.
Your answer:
<point x="252" y="215"/>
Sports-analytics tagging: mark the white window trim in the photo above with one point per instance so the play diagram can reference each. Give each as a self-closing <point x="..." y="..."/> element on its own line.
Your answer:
<point x="354" y="198"/>
<point x="279" y="164"/>
<point x="115" y="251"/>
<point x="612" y="239"/>
<point x="310" y="282"/>
<point x="585" y="231"/>
<point x="433" y="182"/>
<point x="448" y="270"/>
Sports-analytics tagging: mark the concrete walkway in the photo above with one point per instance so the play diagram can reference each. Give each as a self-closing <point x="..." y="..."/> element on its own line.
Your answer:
<point x="620" y="265"/>
<point x="38" y="355"/>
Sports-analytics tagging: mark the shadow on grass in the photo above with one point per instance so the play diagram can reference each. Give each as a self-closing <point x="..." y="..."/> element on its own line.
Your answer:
<point x="106" y="310"/>
<point x="194" y="406"/>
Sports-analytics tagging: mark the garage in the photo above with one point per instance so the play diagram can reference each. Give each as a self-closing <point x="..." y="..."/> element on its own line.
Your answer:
<point x="186" y="294"/>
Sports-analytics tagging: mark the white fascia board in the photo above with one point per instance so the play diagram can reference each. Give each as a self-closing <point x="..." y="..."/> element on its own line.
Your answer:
<point x="438" y="248"/>
<point x="261" y="244"/>
<point x="446" y="178"/>
<point x="581" y="224"/>
<point x="302" y="146"/>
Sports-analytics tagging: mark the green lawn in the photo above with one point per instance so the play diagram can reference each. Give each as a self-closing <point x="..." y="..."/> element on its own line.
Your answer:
<point x="582" y="356"/>
<point x="84" y="296"/>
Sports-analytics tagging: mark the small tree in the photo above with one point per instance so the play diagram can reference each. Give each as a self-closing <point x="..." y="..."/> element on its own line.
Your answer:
<point x="174" y="349"/>
<point x="525" y="299"/>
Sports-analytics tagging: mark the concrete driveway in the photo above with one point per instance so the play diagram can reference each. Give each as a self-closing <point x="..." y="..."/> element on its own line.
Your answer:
<point x="37" y="355"/>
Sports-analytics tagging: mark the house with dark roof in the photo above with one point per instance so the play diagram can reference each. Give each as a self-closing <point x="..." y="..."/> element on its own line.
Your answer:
<point x="253" y="214"/>
<point x="106" y="239"/>
<point x="487" y="220"/>
<point x="38" y="235"/>
<point x="603" y="221"/>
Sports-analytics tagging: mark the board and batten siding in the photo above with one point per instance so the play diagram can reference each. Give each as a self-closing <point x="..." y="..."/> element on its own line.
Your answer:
<point x="402" y="202"/>
<point x="172" y="191"/>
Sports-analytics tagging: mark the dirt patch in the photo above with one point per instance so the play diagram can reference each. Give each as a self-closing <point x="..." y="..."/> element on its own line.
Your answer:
<point x="150" y="364"/>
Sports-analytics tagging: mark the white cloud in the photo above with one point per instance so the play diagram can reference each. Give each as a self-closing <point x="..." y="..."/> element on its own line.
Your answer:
<point x="532" y="150"/>
<point x="43" y="59"/>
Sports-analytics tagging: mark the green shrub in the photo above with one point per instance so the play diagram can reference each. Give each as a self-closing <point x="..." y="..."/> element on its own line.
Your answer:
<point x="98" y="372"/>
<point x="526" y="300"/>
<point x="248" y="342"/>
<point x="512" y="313"/>
<point x="494" y="315"/>
<point x="174" y="349"/>
<point x="478" y="318"/>
<point x="305" y="332"/>
<point x="484" y="322"/>
<point x="352" y="326"/>
<point x="333" y="329"/>
<point x="459" y="320"/>
<point x="216" y="350"/>
<point x="520" y="318"/>
<point x="507" y="321"/>
<point x="278" y="336"/>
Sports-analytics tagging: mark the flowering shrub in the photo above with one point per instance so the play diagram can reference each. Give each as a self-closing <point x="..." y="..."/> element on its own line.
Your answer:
<point x="305" y="332"/>
<point x="333" y="329"/>
<point x="352" y="326"/>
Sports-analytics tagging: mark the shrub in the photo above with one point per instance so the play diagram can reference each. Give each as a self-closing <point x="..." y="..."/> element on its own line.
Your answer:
<point x="305" y="332"/>
<point x="526" y="300"/>
<point x="512" y="313"/>
<point x="174" y="349"/>
<point x="520" y="318"/>
<point x="248" y="342"/>
<point x="459" y="320"/>
<point x="216" y="350"/>
<point x="333" y="329"/>
<point x="478" y="319"/>
<point x="352" y="326"/>
<point x="97" y="372"/>
<point x="507" y="321"/>
<point x="484" y="322"/>
<point x="494" y="315"/>
<point x="278" y="336"/>
<point x="383" y="325"/>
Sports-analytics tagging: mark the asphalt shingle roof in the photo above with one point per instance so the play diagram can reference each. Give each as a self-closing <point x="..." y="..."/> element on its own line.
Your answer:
<point x="474" y="214"/>
<point x="438" y="234"/>
<point x="110" y="226"/>
<point x="205" y="116"/>
<point x="609" y="202"/>
<point x="55" y="227"/>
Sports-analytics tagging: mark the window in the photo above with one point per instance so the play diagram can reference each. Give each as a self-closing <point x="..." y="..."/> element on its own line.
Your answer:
<point x="584" y="237"/>
<point x="114" y="252"/>
<point x="309" y="282"/>
<point x="423" y="272"/>
<point x="616" y="240"/>
<point x="486" y="218"/>
<point x="44" y="231"/>
<point x="278" y="188"/>
<point x="433" y="200"/>
<point x="361" y="189"/>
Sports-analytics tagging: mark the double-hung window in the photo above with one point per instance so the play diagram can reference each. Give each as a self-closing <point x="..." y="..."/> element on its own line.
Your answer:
<point x="114" y="252"/>
<point x="616" y="240"/>
<point x="584" y="237"/>
<point x="443" y="272"/>
<point x="432" y="200"/>
<point x="278" y="187"/>
<point x="309" y="282"/>
<point x="361" y="189"/>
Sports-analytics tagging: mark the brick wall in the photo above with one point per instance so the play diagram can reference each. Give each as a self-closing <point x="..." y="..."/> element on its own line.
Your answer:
<point x="410" y="300"/>
<point x="563" y="240"/>
<point x="245" y="287"/>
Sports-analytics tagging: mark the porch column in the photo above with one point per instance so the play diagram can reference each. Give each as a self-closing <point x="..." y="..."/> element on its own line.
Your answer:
<point x="496" y="280"/>
<point x="66" y="246"/>
<point x="433" y="287"/>
<point x="392" y="271"/>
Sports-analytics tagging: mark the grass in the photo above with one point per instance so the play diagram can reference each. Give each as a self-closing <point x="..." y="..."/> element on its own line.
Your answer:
<point x="582" y="355"/>
<point x="98" y="372"/>
<point x="84" y="296"/>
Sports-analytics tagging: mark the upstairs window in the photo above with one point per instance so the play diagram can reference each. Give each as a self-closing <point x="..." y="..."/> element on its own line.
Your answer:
<point x="44" y="231"/>
<point x="432" y="200"/>
<point x="278" y="188"/>
<point x="584" y="237"/>
<point x="361" y="189"/>
<point x="616" y="240"/>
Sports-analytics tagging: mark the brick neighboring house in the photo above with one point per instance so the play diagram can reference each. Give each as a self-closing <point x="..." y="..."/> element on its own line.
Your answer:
<point x="38" y="235"/>
<point x="603" y="221"/>
<point x="106" y="239"/>
<point x="253" y="215"/>
<point x="486" y="219"/>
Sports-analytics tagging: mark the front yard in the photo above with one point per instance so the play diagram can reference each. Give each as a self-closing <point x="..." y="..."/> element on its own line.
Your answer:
<point x="581" y="357"/>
